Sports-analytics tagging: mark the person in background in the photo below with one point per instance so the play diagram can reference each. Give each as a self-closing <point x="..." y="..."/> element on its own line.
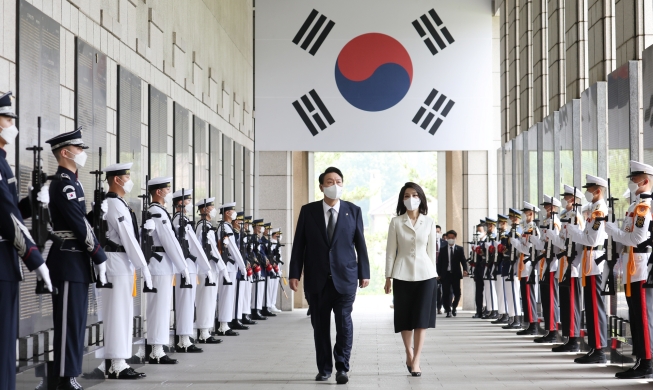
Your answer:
<point x="442" y="243"/>
<point x="479" y="269"/>
<point x="411" y="270"/>
<point x="451" y="267"/>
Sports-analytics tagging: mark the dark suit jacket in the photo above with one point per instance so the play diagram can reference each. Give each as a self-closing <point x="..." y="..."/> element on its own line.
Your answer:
<point x="458" y="261"/>
<point x="312" y="253"/>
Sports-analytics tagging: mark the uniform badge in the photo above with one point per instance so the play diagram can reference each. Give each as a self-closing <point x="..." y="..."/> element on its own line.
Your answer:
<point x="639" y="222"/>
<point x="65" y="176"/>
<point x="70" y="195"/>
<point x="597" y="225"/>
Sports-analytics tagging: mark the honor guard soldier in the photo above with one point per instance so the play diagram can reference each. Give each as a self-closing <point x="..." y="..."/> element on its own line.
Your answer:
<point x="592" y="238"/>
<point x="525" y="272"/>
<point x="237" y="226"/>
<point x="245" y="300"/>
<point x="258" y="287"/>
<point x="276" y="259"/>
<point x="70" y="261"/>
<point x="635" y="235"/>
<point x="231" y="254"/>
<point x="124" y="256"/>
<point x="548" y="267"/>
<point x="497" y="274"/>
<point x="206" y="298"/>
<point x="479" y="268"/>
<point x="15" y="242"/>
<point x="267" y="270"/>
<point x="568" y="271"/>
<point x="167" y="259"/>
<point x="196" y="263"/>
<point x="509" y="271"/>
<point x="490" y="256"/>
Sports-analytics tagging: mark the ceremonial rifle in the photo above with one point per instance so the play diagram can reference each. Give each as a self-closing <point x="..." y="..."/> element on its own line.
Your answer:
<point x="548" y="254"/>
<point x="513" y="232"/>
<point x="97" y="220"/>
<point x="146" y="238"/>
<point x="570" y="248"/>
<point x="181" y="236"/>
<point x="41" y="222"/>
<point x="206" y="245"/>
<point x="610" y="254"/>
<point x="491" y="259"/>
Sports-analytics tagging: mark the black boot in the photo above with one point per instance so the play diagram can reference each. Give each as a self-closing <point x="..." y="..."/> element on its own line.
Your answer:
<point x="642" y="369"/>
<point x="69" y="383"/>
<point x="570" y="346"/>
<point x="594" y="356"/>
<point x="235" y="324"/>
<point x="550" y="338"/>
<point x="530" y="331"/>
<point x="247" y="321"/>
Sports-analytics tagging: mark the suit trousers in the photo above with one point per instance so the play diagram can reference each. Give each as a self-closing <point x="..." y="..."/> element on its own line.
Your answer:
<point x="9" y="332"/>
<point x="529" y="301"/>
<point x="550" y="301"/>
<point x="640" y="311"/>
<point x="69" y="311"/>
<point x="501" y="295"/>
<point x="595" y="317"/>
<point x="322" y="304"/>
<point x="570" y="308"/>
<point x="450" y="292"/>
<point x="479" y="295"/>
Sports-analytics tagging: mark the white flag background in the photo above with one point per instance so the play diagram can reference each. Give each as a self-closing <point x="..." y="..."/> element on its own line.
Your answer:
<point x="461" y="72"/>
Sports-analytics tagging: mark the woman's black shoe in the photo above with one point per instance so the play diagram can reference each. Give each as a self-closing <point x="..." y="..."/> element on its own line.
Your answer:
<point x="416" y="373"/>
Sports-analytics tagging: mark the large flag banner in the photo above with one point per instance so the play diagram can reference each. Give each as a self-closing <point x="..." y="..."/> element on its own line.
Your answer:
<point x="374" y="75"/>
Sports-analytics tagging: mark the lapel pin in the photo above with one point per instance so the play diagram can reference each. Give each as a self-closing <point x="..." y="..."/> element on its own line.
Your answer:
<point x="346" y="213"/>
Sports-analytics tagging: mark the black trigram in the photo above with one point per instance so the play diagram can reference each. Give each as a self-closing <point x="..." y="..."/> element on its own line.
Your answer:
<point x="314" y="109"/>
<point x="433" y="111"/>
<point x="434" y="31"/>
<point x="317" y="26"/>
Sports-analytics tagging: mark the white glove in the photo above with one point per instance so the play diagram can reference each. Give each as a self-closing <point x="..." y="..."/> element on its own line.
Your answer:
<point x="101" y="270"/>
<point x="611" y="228"/>
<point x="551" y="234"/>
<point x="515" y="242"/>
<point x="43" y="273"/>
<point x="149" y="225"/>
<point x="211" y="277"/>
<point x="473" y="247"/>
<point x="488" y="245"/>
<point x="186" y="276"/>
<point x="44" y="195"/>
<point x="147" y="276"/>
<point x="104" y="207"/>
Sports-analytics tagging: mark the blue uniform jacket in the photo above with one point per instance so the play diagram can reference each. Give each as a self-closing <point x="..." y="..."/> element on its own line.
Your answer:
<point x="70" y="259"/>
<point x="15" y="239"/>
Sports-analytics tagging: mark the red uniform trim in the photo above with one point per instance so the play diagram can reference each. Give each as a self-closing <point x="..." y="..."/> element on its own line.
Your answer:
<point x="528" y="302"/>
<point x="572" y="307"/>
<point x="552" y="276"/>
<point x="595" y="308"/>
<point x="647" y="336"/>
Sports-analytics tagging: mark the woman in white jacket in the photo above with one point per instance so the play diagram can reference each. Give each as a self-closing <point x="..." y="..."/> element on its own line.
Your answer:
<point x="410" y="266"/>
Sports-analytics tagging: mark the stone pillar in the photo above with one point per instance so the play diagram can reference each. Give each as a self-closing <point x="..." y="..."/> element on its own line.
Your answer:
<point x="300" y="191"/>
<point x="442" y="191"/>
<point x="634" y="29"/>
<point x="514" y="124"/>
<point x="601" y="54"/>
<point x="576" y="48"/>
<point x="525" y="63"/>
<point x="275" y="202"/>
<point x="557" y="51"/>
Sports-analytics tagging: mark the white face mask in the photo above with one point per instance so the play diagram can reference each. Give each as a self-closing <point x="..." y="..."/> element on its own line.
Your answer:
<point x="633" y="187"/>
<point x="438" y="235"/>
<point x="128" y="186"/>
<point x="168" y="198"/>
<point x="249" y="230"/>
<point x="451" y="241"/>
<point x="233" y="214"/>
<point x="9" y="134"/>
<point x="589" y="196"/>
<point x="189" y="208"/>
<point x="213" y="213"/>
<point x="79" y="159"/>
<point x="412" y="203"/>
<point x="332" y="192"/>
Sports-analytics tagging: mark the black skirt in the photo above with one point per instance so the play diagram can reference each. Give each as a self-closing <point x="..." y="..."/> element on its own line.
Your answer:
<point x="415" y="304"/>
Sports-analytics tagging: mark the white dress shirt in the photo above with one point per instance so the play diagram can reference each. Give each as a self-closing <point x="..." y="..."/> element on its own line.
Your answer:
<point x="336" y="210"/>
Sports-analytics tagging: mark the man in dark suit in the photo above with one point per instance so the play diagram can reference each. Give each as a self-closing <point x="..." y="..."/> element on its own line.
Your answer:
<point x="442" y="243"/>
<point x="452" y="266"/>
<point x="327" y="233"/>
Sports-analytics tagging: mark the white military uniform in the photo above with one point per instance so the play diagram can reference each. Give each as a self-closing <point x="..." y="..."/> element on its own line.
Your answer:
<point x="489" y="286"/>
<point x="559" y="239"/>
<point x="512" y="283"/>
<point x="245" y="290"/>
<point x="227" y="293"/>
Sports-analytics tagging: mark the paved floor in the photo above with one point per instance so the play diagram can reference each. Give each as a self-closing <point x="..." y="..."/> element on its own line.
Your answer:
<point x="461" y="353"/>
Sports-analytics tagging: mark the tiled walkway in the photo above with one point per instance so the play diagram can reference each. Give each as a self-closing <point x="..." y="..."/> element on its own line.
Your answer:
<point x="461" y="353"/>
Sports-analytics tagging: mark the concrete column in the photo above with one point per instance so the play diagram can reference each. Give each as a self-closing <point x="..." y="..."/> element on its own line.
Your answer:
<point x="557" y="52"/>
<point x="505" y="72"/>
<point x="634" y="29"/>
<point x="525" y="24"/>
<point x="442" y="191"/>
<point x="540" y="60"/>
<point x="514" y="86"/>
<point x="576" y="48"/>
<point x="275" y="204"/>
<point x="601" y="53"/>
<point x="300" y="192"/>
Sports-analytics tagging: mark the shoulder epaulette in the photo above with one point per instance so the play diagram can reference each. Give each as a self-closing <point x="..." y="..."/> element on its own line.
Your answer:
<point x="64" y="176"/>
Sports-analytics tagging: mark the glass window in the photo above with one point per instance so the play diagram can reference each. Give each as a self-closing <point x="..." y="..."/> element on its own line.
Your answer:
<point x="158" y="142"/>
<point x="183" y="160"/>
<point x="201" y="149"/>
<point x="566" y="138"/>
<point x="518" y="171"/>
<point x="216" y="163"/>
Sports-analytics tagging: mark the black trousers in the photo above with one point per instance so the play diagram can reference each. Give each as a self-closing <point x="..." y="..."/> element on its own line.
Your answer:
<point x="70" y="308"/>
<point x="450" y="290"/>
<point x="640" y="311"/>
<point x="479" y="295"/>
<point x="439" y="297"/>
<point x="9" y="332"/>
<point x="550" y="301"/>
<point x="595" y="318"/>
<point x="322" y="304"/>
<point x="528" y="302"/>
<point x="570" y="308"/>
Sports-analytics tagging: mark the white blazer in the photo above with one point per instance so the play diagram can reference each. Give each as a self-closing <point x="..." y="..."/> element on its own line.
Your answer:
<point x="412" y="250"/>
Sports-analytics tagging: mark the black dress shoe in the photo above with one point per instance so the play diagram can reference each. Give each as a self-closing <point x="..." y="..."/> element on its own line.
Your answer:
<point x="570" y="346"/>
<point x="448" y="315"/>
<point x="453" y="312"/>
<point x="247" y="321"/>
<point x="134" y="360"/>
<point x="308" y="312"/>
<point x="322" y="377"/>
<point x="513" y="325"/>
<point x="550" y="338"/>
<point x="341" y="377"/>
<point x="165" y="359"/>
<point x="210" y="340"/>
<point x="258" y="316"/>
<point x="503" y="319"/>
<point x="641" y="369"/>
<point x="229" y="332"/>
<point x="127" y="373"/>
<point x="190" y="349"/>
<point x="235" y="324"/>
<point x="493" y="315"/>
<point x="594" y="356"/>
<point x="69" y="383"/>
<point x="477" y="315"/>
<point x="95" y="374"/>
<point x="530" y="331"/>
<point x="267" y="313"/>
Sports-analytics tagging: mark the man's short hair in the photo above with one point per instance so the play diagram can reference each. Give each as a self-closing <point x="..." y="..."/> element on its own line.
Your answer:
<point x="452" y="232"/>
<point x="330" y="170"/>
<point x="438" y="227"/>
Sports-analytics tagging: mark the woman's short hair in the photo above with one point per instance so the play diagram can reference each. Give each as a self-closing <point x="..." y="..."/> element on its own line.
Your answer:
<point x="423" y="207"/>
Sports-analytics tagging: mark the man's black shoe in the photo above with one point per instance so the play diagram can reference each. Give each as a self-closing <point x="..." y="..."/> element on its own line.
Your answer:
<point x="513" y="325"/>
<point x="322" y="378"/>
<point x="570" y="346"/>
<point x="235" y="324"/>
<point x="210" y="340"/>
<point x="448" y="315"/>
<point x="247" y="321"/>
<point x="493" y="315"/>
<point x="453" y="312"/>
<point x="530" y="331"/>
<point x="127" y="373"/>
<point x="256" y="315"/>
<point x="190" y="349"/>
<point x="165" y="359"/>
<point x="308" y="312"/>
<point x="229" y="332"/>
<point x="477" y="315"/>
<point x="95" y="374"/>
<point x="594" y="356"/>
<point x="341" y="377"/>
<point x="267" y="313"/>
<point x="641" y="369"/>
<point x="69" y="383"/>
<point x="550" y="338"/>
<point x="503" y="319"/>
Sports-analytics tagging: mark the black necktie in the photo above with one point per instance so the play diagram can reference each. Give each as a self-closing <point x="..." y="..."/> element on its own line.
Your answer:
<point x="451" y="259"/>
<point x="331" y="226"/>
